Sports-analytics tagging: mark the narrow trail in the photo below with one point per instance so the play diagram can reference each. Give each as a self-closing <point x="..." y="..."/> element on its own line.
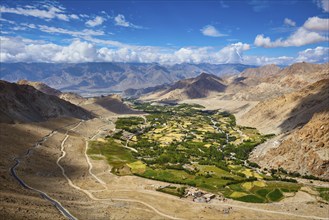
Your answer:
<point x="90" y="165"/>
<point x="44" y="195"/>
<point x="88" y="193"/>
<point x="68" y="215"/>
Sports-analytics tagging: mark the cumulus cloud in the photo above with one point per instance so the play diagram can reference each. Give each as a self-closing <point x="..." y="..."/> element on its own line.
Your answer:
<point x="317" y="24"/>
<point x="77" y="51"/>
<point x="211" y="31"/>
<point x="316" y="55"/>
<point x="74" y="16"/>
<point x="324" y="4"/>
<point x="120" y="20"/>
<point x="48" y="12"/>
<point x="289" y="22"/>
<point x="264" y="60"/>
<point x="16" y="49"/>
<point x="233" y="53"/>
<point x="98" y="20"/>
<point x="23" y="50"/>
<point x="309" y="33"/>
<point x="299" y="38"/>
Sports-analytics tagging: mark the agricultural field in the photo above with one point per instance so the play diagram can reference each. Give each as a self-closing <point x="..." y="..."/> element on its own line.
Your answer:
<point x="186" y="145"/>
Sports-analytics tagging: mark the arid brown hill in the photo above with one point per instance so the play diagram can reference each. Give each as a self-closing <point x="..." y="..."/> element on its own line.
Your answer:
<point x="192" y="88"/>
<point x="42" y="87"/>
<point x="288" y="111"/>
<point x="303" y="117"/>
<point x="23" y="103"/>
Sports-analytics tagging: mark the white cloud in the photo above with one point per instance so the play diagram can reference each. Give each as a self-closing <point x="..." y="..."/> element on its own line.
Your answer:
<point x="233" y="53"/>
<point x="263" y="60"/>
<point x="26" y="50"/>
<point x="289" y="22"/>
<point x="316" y="55"/>
<point x="211" y="31"/>
<point x="299" y="38"/>
<point x="111" y="43"/>
<point x="120" y="20"/>
<point x="51" y="12"/>
<point x="74" y="16"/>
<point x="8" y="21"/>
<point x="317" y="24"/>
<point x="14" y="49"/>
<point x="309" y="33"/>
<point x="77" y="51"/>
<point x="324" y="4"/>
<point x="85" y="32"/>
<point x="98" y="20"/>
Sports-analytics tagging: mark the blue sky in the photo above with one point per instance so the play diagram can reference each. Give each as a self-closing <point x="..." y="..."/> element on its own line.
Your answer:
<point x="252" y="31"/>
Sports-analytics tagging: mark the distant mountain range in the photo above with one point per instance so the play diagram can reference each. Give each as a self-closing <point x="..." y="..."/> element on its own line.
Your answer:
<point x="110" y="76"/>
<point x="252" y="84"/>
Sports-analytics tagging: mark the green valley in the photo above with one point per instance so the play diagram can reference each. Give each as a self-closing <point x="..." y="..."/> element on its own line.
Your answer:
<point x="187" y="145"/>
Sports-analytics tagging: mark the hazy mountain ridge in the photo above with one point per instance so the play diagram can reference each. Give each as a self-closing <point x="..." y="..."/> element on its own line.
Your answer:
<point x="110" y="76"/>
<point x="253" y="84"/>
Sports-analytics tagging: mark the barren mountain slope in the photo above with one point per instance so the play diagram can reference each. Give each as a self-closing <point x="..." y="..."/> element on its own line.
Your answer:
<point x="108" y="105"/>
<point x="270" y="81"/>
<point x="42" y="87"/>
<point x="304" y="150"/>
<point x="253" y="84"/>
<point x="199" y="87"/>
<point x="22" y="103"/>
<point x="288" y="111"/>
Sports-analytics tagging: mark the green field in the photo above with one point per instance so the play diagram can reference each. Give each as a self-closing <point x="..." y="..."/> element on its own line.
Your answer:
<point x="323" y="192"/>
<point x="183" y="144"/>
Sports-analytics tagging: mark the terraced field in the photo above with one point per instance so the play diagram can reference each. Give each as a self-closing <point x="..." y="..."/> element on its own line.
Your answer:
<point x="186" y="145"/>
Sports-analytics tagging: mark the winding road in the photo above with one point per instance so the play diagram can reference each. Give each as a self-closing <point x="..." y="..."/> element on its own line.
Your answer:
<point x="88" y="193"/>
<point x="44" y="195"/>
<point x="68" y="215"/>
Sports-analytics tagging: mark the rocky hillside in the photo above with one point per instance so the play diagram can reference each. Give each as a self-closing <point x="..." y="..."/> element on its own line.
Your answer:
<point x="42" y="87"/>
<point x="304" y="150"/>
<point x="23" y="103"/>
<point x="289" y="111"/>
<point x="253" y="84"/>
<point x="267" y="82"/>
<point x="302" y="118"/>
<point x="198" y="87"/>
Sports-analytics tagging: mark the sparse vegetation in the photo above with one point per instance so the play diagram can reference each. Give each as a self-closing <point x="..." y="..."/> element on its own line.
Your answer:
<point x="324" y="193"/>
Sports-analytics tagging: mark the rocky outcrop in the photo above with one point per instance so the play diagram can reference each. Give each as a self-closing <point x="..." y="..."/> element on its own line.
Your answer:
<point x="305" y="150"/>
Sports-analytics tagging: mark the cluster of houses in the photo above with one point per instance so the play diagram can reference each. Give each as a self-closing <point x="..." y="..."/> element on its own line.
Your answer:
<point x="199" y="195"/>
<point x="202" y="196"/>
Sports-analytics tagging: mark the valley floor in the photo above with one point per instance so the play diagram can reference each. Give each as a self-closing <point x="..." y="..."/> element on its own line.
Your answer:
<point x="61" y="168"/>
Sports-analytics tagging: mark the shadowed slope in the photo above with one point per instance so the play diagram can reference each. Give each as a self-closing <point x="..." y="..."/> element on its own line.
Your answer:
<point x="22" y="103"/>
